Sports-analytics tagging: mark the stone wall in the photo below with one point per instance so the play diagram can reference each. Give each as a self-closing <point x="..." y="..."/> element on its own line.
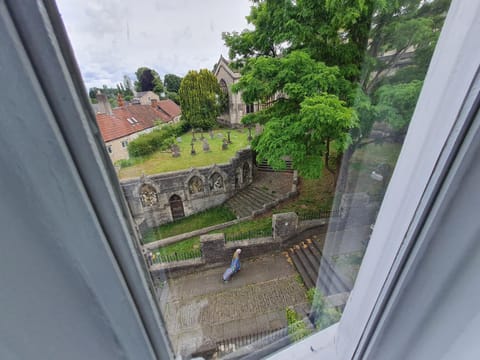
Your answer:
<point x="162" y="198"/>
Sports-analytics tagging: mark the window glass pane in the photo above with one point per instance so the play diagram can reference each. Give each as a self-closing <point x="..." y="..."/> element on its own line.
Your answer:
<point x="254" y="153"/>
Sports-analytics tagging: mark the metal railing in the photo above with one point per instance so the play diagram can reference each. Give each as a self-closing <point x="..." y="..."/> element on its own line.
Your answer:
<point x="320" y="214"/>
<point x="252" y="234"/>
<point x="181" y="256"/>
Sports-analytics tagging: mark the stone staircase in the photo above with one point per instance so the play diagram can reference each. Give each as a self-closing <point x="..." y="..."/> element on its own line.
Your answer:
<point x="306" y="257"/>
<point x="251" y="199"/>
<point x="263" y="166"/>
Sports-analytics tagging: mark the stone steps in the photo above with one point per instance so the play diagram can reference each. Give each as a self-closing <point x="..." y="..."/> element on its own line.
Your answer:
<point x="263" y="166"/>
<point x="250" y="199"/>
<point x="314" y="270"/>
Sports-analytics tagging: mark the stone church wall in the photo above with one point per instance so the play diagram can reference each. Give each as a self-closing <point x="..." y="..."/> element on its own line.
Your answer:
<point x="162" y="198"/>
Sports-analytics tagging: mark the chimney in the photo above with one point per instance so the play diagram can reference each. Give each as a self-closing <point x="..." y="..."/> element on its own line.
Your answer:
<point x="103" y="103"/>
<point x="154" y="103"/>
<point x="120" y="100"/>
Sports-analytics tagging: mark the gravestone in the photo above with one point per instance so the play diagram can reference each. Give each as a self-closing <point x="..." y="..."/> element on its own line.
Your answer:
<point x="206" y="146"/>
<point x="192" y="152"/>
<point x="220" y="135"/>
<point x="224" y="144"/>
<point x="179" y="139"/>
<point x="175" y="150"/>
<point x="212" y="135"/>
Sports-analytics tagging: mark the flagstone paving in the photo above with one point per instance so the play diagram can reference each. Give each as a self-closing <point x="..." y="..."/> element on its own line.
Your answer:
<point x="201" y="310"/>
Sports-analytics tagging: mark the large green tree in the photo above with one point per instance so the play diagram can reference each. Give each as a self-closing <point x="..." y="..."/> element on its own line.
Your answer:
<point x="172" y="82"/>
<point x="332" y="31"/>
<point x="199" y="95"/>
<point x="306" y="117"/>
<point x="341" y="32"/>
<point x="148" y="80"/>
<point x="172" y="85"/>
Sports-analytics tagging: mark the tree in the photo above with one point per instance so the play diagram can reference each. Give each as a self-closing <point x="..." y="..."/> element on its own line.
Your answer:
<point x="307" y="116"/>
<point x="172" y="82"/>
<point x="396" y="103"/>
<point x="199" y="93"/>
<point x="148" y="80"/>
<point x="332" y="31"/>
<point x="400" y="28"/>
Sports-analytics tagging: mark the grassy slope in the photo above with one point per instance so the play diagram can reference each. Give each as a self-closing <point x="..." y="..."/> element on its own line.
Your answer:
<point x="163" y="161"/>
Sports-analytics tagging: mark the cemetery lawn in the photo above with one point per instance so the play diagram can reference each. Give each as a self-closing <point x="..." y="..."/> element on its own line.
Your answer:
<point x="162" y="161"/>
<point x="213" y="216"/>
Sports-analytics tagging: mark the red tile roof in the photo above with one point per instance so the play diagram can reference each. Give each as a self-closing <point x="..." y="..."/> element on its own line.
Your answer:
<point x="170" y="108"/>
<point x="128" y="120"/>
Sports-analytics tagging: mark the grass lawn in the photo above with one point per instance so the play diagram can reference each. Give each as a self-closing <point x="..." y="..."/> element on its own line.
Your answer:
<point x="213" y="216"/>
<point x="160" y="162"/>
<point x="184" y="246"/>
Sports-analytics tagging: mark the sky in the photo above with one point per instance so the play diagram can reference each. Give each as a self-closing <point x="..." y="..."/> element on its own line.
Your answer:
<point x="112" y="38"/>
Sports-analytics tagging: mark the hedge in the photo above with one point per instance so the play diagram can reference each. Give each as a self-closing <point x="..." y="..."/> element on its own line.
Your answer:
<point x="160" y="139"/>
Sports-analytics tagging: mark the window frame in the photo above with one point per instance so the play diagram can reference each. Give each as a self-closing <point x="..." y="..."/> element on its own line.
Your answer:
<point x="449" y="93"/>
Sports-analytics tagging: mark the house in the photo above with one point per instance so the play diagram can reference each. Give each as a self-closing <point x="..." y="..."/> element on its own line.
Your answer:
<point x="169" y="108"/>
<point x="145" y="97"/>
<point x="125" y="123"/>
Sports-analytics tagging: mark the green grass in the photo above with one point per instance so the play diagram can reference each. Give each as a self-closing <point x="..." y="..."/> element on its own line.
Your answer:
<point x="315" y="195"/>
<point x="213" y="216"/>
<point x="194" y="243"/>
<point x="180" y="247"/>
<point x="162" y="161"/>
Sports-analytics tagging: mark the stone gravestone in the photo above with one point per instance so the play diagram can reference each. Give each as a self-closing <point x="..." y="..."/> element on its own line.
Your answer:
<point x="179" y="139"/>
<point x="224" y="144"/>
<point x="220" y="135"/>
<point x="192" y="152"/>
<point x="206" y="146"/>
<point x="212" y="135"/>
<point x="175" y="150"/>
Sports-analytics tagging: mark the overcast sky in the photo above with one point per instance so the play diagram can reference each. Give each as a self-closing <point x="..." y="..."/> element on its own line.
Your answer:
<point x="115" y="37"/>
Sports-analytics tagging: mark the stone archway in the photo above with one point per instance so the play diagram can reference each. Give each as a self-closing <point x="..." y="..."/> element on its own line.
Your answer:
<point x="176" y="207"/>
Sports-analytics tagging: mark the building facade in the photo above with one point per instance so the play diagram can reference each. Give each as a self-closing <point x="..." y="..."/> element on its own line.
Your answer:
<point x="236" y="106"/>
<point x="125" y="123"/>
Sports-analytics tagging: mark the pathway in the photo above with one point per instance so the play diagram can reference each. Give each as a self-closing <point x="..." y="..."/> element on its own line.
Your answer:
<point x="200" y="310"/>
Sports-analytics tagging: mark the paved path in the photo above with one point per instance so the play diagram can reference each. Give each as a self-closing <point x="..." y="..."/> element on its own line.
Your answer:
<point x="199" y="309"/>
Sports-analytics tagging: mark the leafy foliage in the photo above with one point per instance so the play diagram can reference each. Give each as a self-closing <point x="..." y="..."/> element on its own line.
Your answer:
<point x="199" y="98"/>
<point x="148" y="80"/>
<point x="172" y="82"/>
<point x="307" y="114"/>
<point x="159" y="139"/>
<point x="324" y="315"/>
<point x="297" y="329"/>
<point x="396" y="103"/>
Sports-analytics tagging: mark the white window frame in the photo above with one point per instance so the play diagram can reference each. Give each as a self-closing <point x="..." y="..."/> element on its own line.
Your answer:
<point x="37" y="31"/>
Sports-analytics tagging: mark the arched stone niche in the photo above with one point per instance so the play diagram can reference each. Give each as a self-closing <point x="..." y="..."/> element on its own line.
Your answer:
<point x="195" y="185"/>
<point x="216" y="182"/>
<point x="246" y="173"/>
<point x="148" y="195"/>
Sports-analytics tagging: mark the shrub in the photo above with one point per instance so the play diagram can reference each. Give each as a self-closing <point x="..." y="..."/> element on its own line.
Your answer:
<point x="160" y="139"/>
<point x="323" y="314"/>
<point x="297" y="329"/>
